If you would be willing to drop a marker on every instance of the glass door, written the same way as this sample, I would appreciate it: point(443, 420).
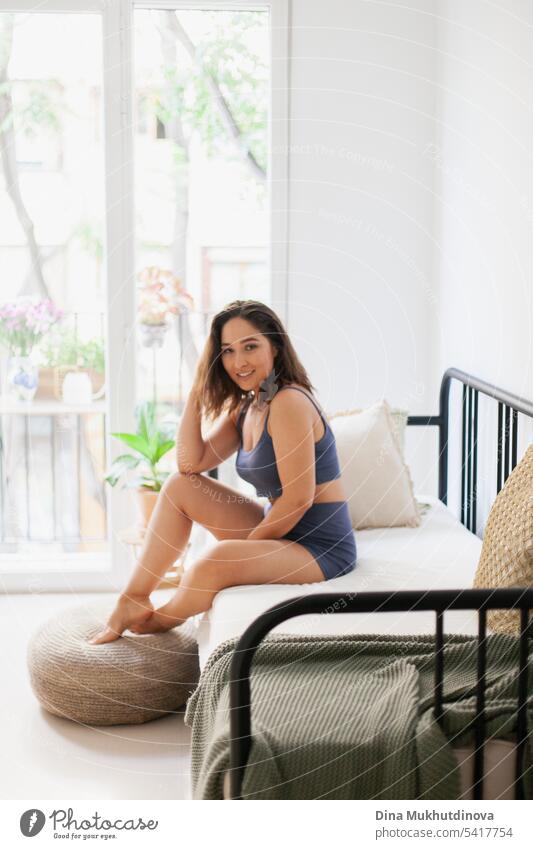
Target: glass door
point(53, 391)
point(143, 185)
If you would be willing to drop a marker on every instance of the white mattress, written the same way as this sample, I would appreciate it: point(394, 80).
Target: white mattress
point(439, 554)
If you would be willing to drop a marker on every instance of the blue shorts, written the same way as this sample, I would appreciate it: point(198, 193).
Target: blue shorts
point(326, 531)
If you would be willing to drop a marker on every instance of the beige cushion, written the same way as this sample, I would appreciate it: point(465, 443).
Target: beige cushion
point(130, 680)
point(398, 418)
point(376, 479)
point(506, 558)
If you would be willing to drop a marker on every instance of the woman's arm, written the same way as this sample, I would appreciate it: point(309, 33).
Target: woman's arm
point(291, 423)
point(189, 442)
point(193, 453)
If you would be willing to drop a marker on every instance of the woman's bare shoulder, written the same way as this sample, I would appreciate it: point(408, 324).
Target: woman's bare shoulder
point(302, 390)
point(288, 401)
point(294, 386)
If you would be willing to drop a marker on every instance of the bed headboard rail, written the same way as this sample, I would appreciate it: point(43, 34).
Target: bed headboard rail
point(509, 406)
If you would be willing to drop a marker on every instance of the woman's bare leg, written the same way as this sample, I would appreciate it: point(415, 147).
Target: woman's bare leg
point(185, 499)
point(232, 563)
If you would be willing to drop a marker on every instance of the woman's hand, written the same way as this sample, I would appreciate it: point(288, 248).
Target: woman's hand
point(130, 610)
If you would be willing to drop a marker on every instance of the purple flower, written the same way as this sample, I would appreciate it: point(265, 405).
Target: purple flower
point(24, 322)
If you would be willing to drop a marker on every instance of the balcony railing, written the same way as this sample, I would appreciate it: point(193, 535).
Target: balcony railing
point(53, 455)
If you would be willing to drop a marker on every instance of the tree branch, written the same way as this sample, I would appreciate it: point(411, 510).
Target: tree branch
point(9, 159)
point(221, 104)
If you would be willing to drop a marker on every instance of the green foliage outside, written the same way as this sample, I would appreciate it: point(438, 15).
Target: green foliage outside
point(223, 56)
point(40, 105)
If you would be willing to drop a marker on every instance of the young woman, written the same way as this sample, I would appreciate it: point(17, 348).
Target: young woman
point(286, 449)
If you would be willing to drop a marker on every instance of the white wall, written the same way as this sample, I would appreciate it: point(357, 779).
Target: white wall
point(483, 157)
point(361, 298)
point(484, 184)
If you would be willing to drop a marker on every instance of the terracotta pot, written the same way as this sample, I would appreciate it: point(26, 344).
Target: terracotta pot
point(97, 381)
point(51, 379)
point(47, 383)
point(146, 500)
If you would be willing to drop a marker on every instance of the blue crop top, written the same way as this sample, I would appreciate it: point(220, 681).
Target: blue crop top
point(258, 466)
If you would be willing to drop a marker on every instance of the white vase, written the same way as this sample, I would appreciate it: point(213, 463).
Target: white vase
point(77, 388)
point(22, 378)
point(153, 335)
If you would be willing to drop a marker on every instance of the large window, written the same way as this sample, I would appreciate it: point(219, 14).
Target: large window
point(138, 153)
point(201, 202)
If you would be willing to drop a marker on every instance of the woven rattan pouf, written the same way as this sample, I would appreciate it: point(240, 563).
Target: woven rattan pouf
point(130, 680)
point(506, 558)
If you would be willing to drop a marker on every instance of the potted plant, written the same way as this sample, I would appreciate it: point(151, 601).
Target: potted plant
point(92, 358)
point(23, 323)
point(161, 295)
point(149, 445)
point(63, 352)
point(56, 350)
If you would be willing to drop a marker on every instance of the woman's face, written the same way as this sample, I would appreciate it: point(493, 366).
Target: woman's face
point(247, 354)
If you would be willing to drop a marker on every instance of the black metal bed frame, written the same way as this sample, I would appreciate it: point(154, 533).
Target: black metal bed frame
point(437, 600)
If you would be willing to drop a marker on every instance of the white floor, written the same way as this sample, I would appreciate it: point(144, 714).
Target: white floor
point(46, 757)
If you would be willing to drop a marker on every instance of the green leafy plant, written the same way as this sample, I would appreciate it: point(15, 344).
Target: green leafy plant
point(65, 349)
point(92, 355)
point(149, 444)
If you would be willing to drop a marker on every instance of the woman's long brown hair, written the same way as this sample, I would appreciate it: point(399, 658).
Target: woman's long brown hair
point(213, 386)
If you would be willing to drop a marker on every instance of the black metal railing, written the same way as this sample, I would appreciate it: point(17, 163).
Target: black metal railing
point(438, 601)
point(509, 406)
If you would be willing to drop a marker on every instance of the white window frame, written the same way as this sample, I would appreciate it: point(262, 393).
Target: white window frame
point(118, 80)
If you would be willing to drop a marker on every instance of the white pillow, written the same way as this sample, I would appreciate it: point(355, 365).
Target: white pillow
point(398, 420)
point(378, 485)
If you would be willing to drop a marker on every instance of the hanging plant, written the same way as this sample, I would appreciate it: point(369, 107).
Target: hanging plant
point(161, 296)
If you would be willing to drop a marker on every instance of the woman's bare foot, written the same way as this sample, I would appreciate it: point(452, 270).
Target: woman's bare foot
point(161, 620)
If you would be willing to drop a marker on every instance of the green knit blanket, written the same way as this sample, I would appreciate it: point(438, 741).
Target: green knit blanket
point(351, 717)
